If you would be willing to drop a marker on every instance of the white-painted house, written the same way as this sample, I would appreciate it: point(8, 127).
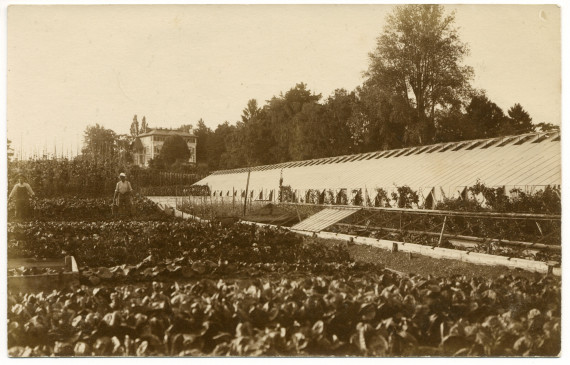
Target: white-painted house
point(148, 145)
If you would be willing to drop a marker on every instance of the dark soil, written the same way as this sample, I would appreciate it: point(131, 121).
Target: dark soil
point(272, 214)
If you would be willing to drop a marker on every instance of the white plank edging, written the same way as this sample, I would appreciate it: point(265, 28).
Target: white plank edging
point(434, 252)
point(177, 213)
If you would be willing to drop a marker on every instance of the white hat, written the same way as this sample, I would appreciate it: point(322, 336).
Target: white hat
point(122, 174)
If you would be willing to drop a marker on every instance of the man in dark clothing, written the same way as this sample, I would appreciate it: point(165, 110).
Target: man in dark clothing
point(22, 192)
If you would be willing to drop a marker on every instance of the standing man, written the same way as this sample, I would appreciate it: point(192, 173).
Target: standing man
point(122, 197)
point(22, 192)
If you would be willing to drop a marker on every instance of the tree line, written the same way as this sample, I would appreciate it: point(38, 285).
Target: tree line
point(416, 91)
point(298, 126)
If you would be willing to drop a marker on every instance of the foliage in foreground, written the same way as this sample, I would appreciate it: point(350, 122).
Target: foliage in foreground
point(114, 243)
point(274, 294)
point(359, 315)
point(92, 209)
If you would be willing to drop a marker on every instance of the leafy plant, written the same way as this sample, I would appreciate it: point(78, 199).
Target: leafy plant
point(341, 197)
point(382, 314)
point(541, 201)
point(381, 199)
point(405, 197)
point(312, 196)
point(286, 194)
point(328, 197)
point(357, 199)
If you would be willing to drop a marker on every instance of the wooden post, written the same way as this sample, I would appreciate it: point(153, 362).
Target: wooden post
point(441, 234)
point(246, 191)
point(394, 247)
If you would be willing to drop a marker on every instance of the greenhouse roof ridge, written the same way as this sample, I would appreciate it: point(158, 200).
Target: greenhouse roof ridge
point(502, 141)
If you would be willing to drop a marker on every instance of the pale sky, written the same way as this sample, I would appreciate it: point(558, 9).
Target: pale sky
point(70, 66)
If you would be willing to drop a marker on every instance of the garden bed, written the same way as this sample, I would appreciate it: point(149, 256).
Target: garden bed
point(29, 275)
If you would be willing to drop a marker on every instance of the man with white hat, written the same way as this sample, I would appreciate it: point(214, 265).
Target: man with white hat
point(122, 197)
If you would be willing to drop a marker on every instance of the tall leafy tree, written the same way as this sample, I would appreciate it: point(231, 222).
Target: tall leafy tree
point(250, 111)
point(483, 118)
point(379, 119)
point(123, 143)
point(173, 149)
point(280, 112)
point(186, 128)
point(237, 148)
point(260, 139)
point(203, 135)
point(99, 142)
point(339, 108)
point(135, 127)
point(144, 126)
point(547, 127)
point(217, 145)
point(519, 120)
point(310, 136)
point(451, 126)
point(418, 63)
point(321, 130)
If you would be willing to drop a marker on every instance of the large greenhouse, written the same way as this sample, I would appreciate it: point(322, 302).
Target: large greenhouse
point(528, 162)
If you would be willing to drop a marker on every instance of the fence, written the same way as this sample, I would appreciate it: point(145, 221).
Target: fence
point(146, 178)
point(208, 207)
point(536, 231)
point(174, 190)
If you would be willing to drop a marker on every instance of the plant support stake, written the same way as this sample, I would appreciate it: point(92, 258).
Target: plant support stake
point(441, 234)
point(246, 192)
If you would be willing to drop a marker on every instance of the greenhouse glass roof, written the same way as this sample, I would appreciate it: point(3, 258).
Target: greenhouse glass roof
point(523, 160)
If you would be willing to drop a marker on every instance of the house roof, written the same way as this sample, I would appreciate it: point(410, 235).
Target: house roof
point(528, 160)
point(165, 132)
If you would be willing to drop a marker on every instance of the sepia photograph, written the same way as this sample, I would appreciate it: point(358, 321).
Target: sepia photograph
point(283, 180)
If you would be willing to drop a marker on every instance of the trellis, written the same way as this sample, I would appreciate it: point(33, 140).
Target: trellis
point(539, 231)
